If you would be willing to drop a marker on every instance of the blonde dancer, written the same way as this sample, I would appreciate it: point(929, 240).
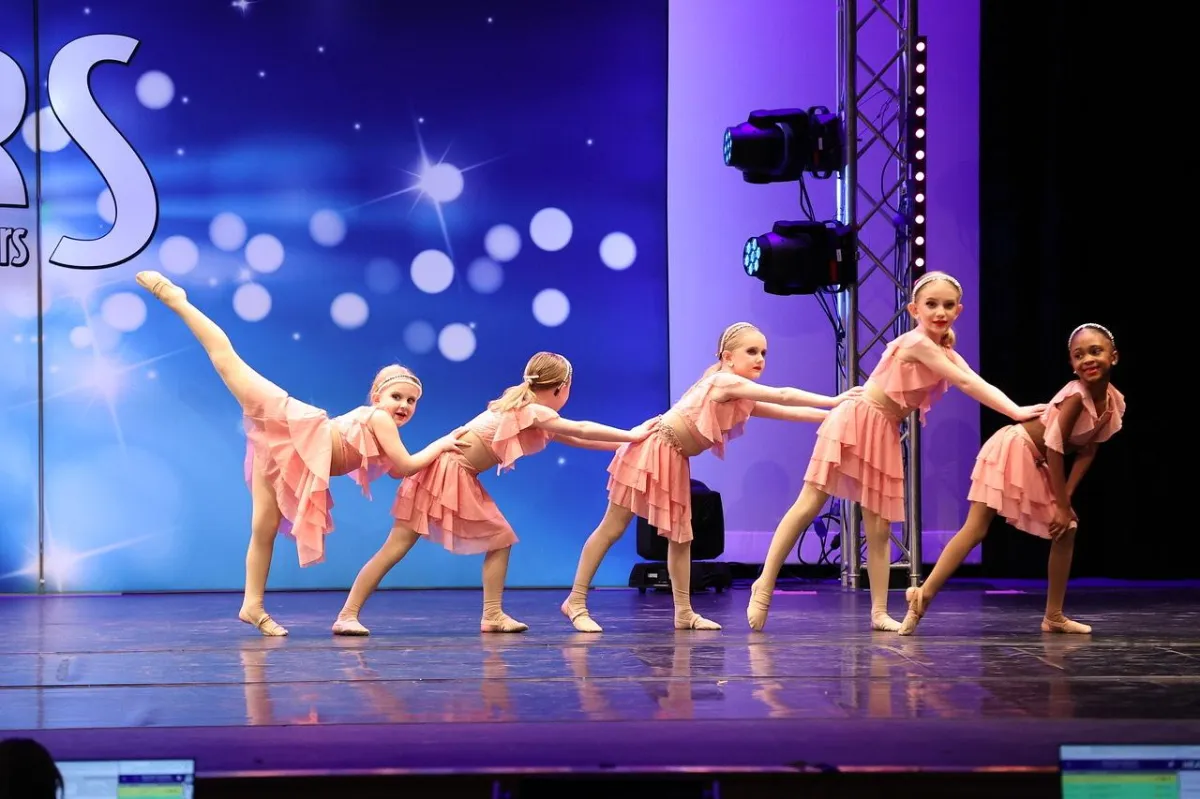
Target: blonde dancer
point(446, 502)
point(857, 456)
point(292, 449)
point(652, 478)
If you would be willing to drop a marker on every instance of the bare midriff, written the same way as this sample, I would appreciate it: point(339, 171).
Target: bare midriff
point(685, 434)
point(341, 461)
point(1037, 434)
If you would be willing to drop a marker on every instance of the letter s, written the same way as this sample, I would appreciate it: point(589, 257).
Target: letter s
point(13, 192)
point(18, 248)
point(128, 179)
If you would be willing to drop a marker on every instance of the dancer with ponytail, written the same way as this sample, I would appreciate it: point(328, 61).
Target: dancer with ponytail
point(446, 502)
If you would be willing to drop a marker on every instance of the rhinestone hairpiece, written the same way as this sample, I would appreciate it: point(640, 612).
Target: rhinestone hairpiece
point(1092, 326)
point(932, 276)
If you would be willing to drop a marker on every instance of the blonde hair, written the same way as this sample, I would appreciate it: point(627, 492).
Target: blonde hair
point(948, 338)
point(546, 370)
point(393, 373)
point(729, 340)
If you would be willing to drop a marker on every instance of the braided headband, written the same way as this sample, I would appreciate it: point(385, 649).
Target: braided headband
point(400, 379)
point(1092, 326)
point(532, 379)
point(729, 333)
point(932, 276)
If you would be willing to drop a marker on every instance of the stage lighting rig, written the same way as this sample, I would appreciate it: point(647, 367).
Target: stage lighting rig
point(803, 257)
point(780, 146)
point(916, 146)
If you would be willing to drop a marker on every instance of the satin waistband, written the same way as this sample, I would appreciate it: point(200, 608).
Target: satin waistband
point(669, 436)
point(887, 411)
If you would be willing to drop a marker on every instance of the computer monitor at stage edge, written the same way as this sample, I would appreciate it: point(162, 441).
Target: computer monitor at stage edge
point(1136, 772)
point(128, 779)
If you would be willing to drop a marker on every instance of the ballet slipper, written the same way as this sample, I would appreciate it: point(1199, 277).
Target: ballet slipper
point(690, 620)
point(916, 610)
point(580, 619)
point(1064, 625)
point(760, 603)
point(161, 287)
point(502, 624)
point(265, 624)
point(881, 622)
point(349, 626)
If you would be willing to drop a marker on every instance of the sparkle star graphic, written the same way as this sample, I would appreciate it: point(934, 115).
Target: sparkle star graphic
point(62, 564)
point(98, 376)
point(439, 182)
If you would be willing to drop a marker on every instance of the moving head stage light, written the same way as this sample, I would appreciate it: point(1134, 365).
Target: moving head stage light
point(803, 258)
point(780, 146)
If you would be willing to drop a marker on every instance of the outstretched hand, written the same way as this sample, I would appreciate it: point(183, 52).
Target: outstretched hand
point(643, 430)
point(853, 393)
point(1027, 412)
point(454, 441)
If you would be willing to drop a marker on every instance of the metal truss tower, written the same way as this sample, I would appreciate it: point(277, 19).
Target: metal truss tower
point(877, 46)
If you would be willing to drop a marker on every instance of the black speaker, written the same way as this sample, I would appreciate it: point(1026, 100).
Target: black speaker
point(708, 528)
point(708, 542)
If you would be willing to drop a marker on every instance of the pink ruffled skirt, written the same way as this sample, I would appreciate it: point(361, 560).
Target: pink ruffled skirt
point(1011, 478)
point(857, 457)
point(446, 502)
point(653, 479)
point(291, 443)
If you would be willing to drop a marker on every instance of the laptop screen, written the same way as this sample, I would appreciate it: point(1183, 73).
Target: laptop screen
point(128, 779)
point(1116, 772)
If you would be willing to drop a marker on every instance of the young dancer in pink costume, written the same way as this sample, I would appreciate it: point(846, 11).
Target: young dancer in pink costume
point(857, 456)
point(1019, 474)
point(446, 502)
point(652, 478)
point(292, 449)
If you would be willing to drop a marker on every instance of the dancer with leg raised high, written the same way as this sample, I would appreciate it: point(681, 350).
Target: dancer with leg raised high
point(292, 449)
point(857, 456)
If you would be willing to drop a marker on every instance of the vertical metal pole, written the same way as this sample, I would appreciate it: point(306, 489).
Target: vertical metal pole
point(908, 38)
point(913, 511)
point(847, 92)
point(41, 322)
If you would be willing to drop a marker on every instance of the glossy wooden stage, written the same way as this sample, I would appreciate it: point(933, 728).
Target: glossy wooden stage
point(143, 676)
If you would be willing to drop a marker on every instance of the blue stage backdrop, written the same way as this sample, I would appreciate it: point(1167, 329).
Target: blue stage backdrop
point(340, 184)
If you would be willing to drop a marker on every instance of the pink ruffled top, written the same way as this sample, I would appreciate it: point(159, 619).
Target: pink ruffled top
point(713, 421)
point(1090, 427)
point(910, 384)
point(512, 434)
point(363, 456)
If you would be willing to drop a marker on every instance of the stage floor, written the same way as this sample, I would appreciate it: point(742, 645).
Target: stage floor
point(178, 676)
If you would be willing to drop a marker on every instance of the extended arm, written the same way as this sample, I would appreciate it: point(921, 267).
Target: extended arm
point(769, 410)
point(592, 431)
point(748, 389)
point(959, 374)
point(583, 443)
point(405, 464)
